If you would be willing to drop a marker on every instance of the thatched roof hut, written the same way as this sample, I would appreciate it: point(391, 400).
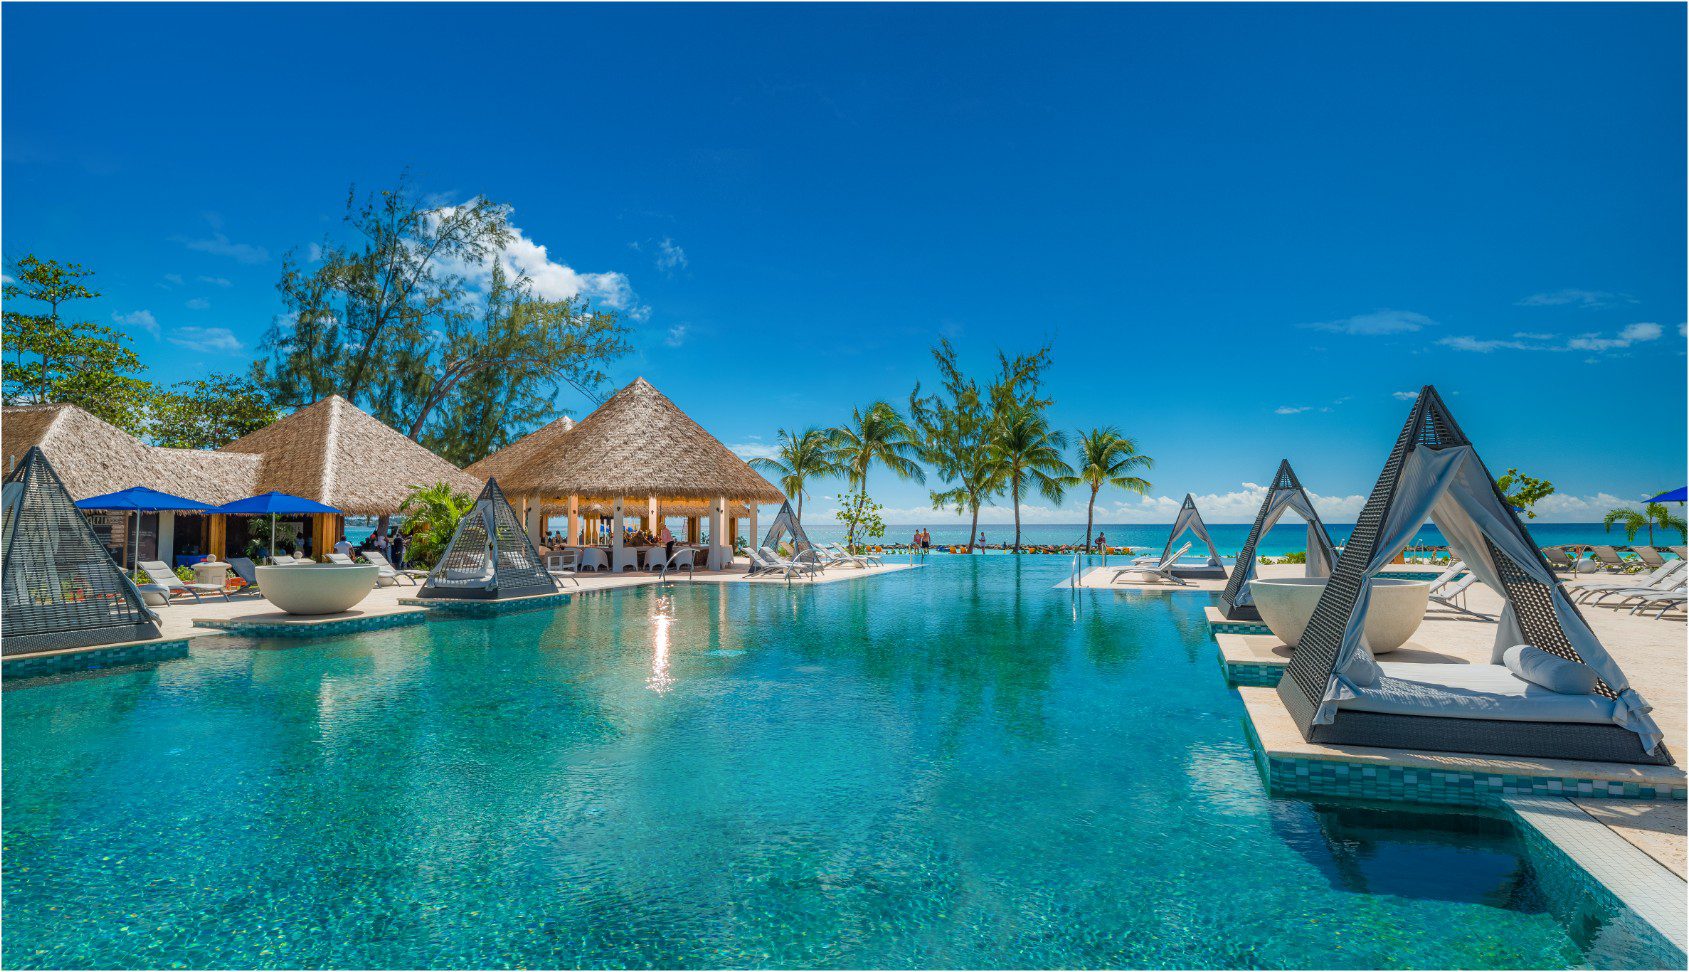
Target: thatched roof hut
point(94, 457)
point(637, 444)
point(499, 465)
point(336, 453)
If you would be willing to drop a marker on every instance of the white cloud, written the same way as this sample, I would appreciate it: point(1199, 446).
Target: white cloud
point(174, 278)
point(676, 336)
point(142, 319)
point(670, 256)
point(198, 303)
point(214, 281)
point(219, 244)
point(1290, 409)
point(1596, 341)
point(1577, 298)
point(313, 253)
point(1404, 396)
point(753, 450)
point(206, 339)
point(1376, 323)
point(556, 281)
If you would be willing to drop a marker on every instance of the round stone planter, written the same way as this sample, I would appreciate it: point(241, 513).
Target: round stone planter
point(317, 588)
point(1393, 612)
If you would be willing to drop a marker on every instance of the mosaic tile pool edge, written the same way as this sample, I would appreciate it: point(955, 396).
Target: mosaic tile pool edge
point(450, 607)
point(111, 656)
point(313, 629)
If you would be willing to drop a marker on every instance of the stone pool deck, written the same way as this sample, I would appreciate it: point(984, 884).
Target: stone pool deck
point(1643, 806)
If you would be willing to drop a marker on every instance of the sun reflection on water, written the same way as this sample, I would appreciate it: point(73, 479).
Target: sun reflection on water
point(662, 620)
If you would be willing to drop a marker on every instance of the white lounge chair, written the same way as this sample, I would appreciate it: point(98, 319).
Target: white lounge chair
point(343, 560)
point(379, 559)
point(564, 565)
point(170, 585)
point(1594, 592)
point(1665, 600)
point(771, 562)
point(843, 554)
point(1160, 571)
point(1448, 577)
point(1453, 596)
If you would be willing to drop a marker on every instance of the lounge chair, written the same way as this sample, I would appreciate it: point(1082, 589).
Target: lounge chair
point(283, 560)
point(564, 565)
point(683, 559)
point(1648, 555)
point(247, 571)
point(1665, 600)
point(842, 553)
point(1448, 577)
point(1682, 552)
point(165, 581)
point(1559, 559)
point(1160, 571)
point(343, 560)
point(771, 562)
point(379, 559)
point(1610, 559)
point(1593, 592)
point(1453, 596)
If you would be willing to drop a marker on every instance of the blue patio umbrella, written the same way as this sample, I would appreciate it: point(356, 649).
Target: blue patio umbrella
point(275, 504)
point(1678, 495)
point(140, 499)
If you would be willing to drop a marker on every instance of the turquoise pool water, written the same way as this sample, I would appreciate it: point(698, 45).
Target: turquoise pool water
point(956, 767)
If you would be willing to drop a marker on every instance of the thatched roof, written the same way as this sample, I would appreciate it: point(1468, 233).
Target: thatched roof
point(638, 444)
point(94, 457)
point(336, 453)
point(546, 438)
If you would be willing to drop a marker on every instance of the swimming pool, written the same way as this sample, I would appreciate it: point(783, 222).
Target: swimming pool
point(953, 767)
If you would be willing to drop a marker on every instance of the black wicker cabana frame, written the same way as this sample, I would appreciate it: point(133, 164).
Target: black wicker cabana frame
point(1189, 520)
point(1284, 495)
point(62, 589)
point(1310, 674)
point(786, 523)
point(490, 557)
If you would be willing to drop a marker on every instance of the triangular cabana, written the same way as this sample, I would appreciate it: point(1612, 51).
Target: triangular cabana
point(62, 589)
point(489, 557)
point(1338, 696)
point(1190, 521)
point(1285, 494)
point(786, 524)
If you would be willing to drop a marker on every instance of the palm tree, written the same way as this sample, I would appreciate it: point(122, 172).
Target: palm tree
point(1633, 521)
point(1107, 458)
point(431, 516)
point(799, 456)
point(1031, 455)
point(875, 434)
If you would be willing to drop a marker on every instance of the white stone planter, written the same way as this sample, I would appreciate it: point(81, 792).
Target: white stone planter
point(1393, 612)
point(317, 588)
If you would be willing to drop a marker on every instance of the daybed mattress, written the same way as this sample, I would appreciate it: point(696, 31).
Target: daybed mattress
point(1473, 692)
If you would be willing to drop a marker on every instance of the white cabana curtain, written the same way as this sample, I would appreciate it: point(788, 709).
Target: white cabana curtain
point(1321, 555)
point(1451, 488)
point(1190, 519)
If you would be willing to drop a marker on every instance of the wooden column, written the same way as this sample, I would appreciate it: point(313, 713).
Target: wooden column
point(616, 528)
point(754, 538)
point(651, 522)
point(217, 535)
point(718, 534)
point(574, 520)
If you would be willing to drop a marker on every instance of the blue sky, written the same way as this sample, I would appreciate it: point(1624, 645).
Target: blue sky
point(1247, 230)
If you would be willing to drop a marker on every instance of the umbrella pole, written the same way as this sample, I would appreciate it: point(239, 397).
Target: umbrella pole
point(272, 538)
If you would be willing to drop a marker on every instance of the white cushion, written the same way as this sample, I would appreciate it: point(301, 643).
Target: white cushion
point(1550, 671)
point(1473, 692)
point(1363, 669)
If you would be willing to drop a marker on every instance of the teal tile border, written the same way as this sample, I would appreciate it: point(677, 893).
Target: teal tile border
point(31, 666)
point(313, 629)
point(466, 608)
point(1295, 776)
point(1244, 673)
point(1237, 627)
